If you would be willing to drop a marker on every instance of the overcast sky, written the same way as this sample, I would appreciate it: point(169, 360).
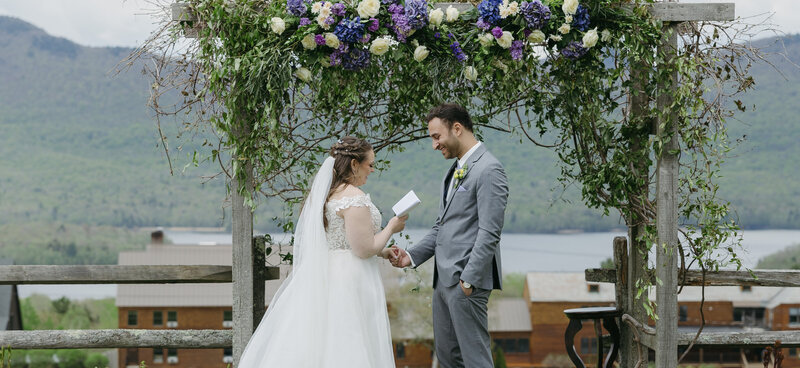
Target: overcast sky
point(128, 23)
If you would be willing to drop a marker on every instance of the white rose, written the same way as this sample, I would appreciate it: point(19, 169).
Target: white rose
point(379, 46)
point(568, 18)
point(322, 21)
point(513, 8)
point(536, 36)
point(308, 42)
point(486, 39)
point(505, 40)
point(277, 24)
point(316, 7)
point(555, 38)
point(470, 73)
point(331, 40)
point(368, 8)
point(452, 14)
point(564, 29)
point(420, 53)
point(303, 74)
point(570, 7)
point(325, 12)
point(435, 17)
point(590, 38)
point(605, 36)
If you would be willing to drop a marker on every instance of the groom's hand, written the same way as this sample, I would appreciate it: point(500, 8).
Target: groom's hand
point(402, 258)
point(467, 291)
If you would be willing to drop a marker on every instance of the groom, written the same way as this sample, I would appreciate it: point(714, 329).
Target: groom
point(464, 240)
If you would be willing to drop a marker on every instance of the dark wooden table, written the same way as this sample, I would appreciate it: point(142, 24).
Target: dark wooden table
point(608, 315)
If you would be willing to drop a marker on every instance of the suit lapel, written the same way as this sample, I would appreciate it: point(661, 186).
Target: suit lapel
point(448, 180)
point(470, 165)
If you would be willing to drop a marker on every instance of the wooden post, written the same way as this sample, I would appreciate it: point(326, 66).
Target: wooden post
point(621, 262)
point(243, 257)
point(667, 215)
point(259, 277)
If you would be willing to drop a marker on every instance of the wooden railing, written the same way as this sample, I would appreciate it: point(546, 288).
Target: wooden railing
point(135, 274)
point(769, 278)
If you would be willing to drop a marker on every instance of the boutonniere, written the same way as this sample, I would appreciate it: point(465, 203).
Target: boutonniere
point(458, 175)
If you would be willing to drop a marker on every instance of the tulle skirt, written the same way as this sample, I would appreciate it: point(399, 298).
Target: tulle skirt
point(352, 330)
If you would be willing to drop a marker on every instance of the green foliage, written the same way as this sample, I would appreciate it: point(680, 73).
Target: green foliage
point(96, 360)
point(786, 259)
point(71, 358)
point(61, 305)
point(49, 243)
point(608, 263)
point(498, 356)
point(40, 313)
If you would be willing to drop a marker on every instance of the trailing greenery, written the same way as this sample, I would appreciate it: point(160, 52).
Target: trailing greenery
point(41, 313)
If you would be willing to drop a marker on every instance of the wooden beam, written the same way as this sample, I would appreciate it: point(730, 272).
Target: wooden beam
point(130, 338)
point(692, 12)
point(773, 278)
point(120, 274)
point(789, 339)
point(668, 12)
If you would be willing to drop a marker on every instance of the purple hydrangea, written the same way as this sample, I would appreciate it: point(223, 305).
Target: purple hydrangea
point(399, 22)
point(366, 38)
point(581, 18)
point(497, 32)
point(396, 9)
point(319, 39)
point(482, 25)
point(458, 52)
point(417, 13)
point(574, 50)
point(349, 30)
point(336, 55)
point(535, 13)
point(516, 49)
point(388, 2)
point(330, 21)
point(338, 9)
point(437, 35)
point(374, 25)
point(488, 11)
point(296, 7)
point(304, 22)
point(355, 59)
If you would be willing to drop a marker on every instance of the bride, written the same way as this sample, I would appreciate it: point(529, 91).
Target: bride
point(331, 310)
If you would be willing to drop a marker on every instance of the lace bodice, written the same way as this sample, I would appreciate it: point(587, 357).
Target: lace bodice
point(337, 239)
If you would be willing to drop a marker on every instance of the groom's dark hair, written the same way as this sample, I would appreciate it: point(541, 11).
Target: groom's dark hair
point(450, 114)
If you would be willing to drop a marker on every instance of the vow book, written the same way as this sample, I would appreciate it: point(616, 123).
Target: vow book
point(406, 204)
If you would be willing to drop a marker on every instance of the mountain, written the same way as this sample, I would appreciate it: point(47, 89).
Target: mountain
point(78, 145)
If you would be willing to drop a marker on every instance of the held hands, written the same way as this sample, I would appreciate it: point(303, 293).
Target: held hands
point(398, 257)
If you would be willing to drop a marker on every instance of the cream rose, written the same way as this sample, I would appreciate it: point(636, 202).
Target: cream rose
point(277, 25)
point(590, 38)
point(308, 42)
point(331, 40)
point(555, 38)
point(435, 17)
point(505, 40)
point(470, 73)
point(564, 29)
point(379, 46)
point(303, 74)
point(570, 7)
point(452, 14)
point(499, 65)
point(420, 53)
point(368, 8)
point(486, 39)
point(536, 36)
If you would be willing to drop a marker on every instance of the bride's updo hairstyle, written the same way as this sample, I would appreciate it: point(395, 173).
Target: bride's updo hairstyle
point(344, 151)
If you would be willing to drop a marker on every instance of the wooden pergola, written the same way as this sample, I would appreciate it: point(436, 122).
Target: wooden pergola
point(248, 270)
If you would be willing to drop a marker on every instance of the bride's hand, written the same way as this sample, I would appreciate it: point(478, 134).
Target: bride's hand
point(397, 224)
point(389, 253)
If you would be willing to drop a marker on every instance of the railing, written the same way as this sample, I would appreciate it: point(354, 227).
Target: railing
point(771, 278)
point(135, 274)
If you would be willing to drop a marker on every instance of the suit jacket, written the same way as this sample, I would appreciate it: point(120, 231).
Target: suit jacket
point(466, 234)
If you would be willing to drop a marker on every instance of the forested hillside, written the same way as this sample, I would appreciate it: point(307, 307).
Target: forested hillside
point(79, 146)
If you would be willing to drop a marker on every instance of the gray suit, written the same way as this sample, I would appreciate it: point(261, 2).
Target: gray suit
point(465, 241)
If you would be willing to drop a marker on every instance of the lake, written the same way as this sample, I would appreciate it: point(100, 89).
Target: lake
point(519, 253)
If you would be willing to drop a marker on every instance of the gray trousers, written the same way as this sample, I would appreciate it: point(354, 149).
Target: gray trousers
point(461, 327)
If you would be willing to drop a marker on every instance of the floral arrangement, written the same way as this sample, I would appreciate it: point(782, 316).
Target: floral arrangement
point(496, 34)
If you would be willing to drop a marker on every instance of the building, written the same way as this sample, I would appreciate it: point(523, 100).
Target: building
point(10, 315)
point(725, 308)
point(179, 306)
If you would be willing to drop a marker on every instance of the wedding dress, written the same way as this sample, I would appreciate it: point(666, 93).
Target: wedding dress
point(331, 310)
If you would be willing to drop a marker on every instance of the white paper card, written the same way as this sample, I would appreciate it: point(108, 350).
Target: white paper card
point(406, 204)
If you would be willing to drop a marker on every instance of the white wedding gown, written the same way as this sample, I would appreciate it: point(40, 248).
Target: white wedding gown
point(346, 327)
